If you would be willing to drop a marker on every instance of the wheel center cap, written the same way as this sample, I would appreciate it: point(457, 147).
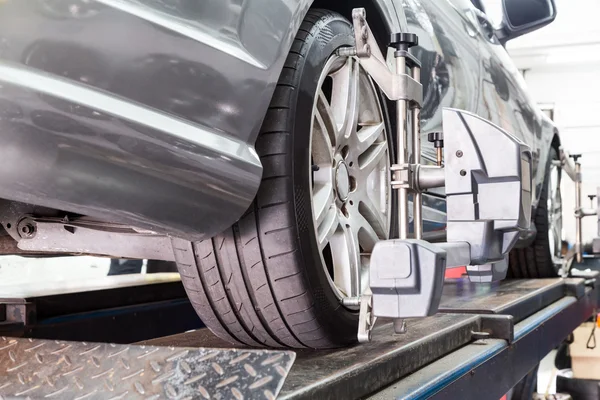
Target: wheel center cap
point(342, 181)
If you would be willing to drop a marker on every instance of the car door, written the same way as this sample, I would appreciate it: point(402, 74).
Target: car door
point(449, 54)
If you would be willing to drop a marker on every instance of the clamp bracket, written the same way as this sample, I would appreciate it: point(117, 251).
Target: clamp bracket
point(488, 199)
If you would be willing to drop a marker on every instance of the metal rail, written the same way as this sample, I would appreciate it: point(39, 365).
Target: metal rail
point(488, 369)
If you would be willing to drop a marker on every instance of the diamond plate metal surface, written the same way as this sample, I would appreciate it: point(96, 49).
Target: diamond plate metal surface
point(49, 369)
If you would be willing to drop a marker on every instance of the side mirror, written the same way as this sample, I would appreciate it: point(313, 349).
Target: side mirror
point(524, 16)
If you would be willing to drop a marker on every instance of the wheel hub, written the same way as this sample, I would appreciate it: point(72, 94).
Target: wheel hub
point(342, 181)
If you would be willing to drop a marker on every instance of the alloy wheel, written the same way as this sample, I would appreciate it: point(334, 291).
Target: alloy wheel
point(350, 185)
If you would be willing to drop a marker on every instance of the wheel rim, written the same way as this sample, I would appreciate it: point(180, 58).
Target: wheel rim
point(554, 215)
point(350, 188)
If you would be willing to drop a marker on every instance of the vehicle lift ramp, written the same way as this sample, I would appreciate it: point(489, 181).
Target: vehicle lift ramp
point(484, 339)
point(474, 338)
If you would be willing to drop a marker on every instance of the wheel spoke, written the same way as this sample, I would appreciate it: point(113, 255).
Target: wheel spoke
point(556, 231)
point(367, 135)
point(367, 237)
point(322, 148)
point(373, 216)
point(345, 252)
point(371, 158)
point(554, 215)
point(327, 117)
point(344, 99)
point(322, 200)
point(328, 226)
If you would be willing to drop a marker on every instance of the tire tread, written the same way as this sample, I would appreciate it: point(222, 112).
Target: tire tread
point(247, 283)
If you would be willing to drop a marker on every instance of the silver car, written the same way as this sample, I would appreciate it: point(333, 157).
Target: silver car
point(229, 136)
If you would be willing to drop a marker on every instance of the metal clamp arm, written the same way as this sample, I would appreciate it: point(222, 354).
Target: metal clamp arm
point(395, 86)
point(488, 200)
point(585, 212)
point(568, 165)
point(429, 177)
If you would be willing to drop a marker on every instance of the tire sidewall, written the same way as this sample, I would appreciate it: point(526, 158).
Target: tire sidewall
point(333, 32)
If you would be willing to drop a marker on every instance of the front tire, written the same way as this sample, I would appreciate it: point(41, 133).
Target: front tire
point(277, 277)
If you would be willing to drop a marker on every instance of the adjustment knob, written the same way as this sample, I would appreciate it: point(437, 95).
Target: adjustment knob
point(437, 138)
point(591, 197)
point(403, 40)
point(575, 156)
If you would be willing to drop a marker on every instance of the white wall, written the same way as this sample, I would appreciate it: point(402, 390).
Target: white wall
point(562, 68)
